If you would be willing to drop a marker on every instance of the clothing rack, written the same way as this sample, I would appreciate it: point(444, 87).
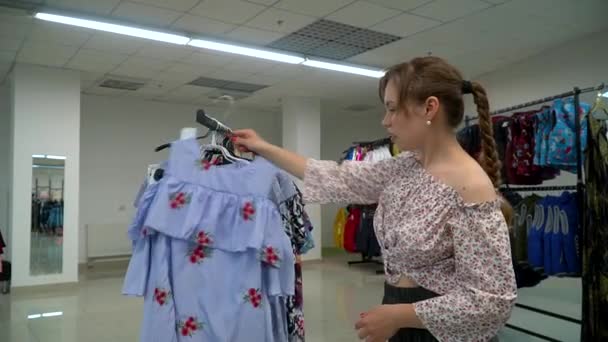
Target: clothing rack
point(579, 187)
point(538, 188)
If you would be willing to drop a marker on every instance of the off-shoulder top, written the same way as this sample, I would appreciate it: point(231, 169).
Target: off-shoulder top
point(429, 234)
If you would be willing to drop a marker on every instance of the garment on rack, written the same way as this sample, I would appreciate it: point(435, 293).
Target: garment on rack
point(350, 229)
point(562, 138)
point(366, 241)
point(595, 237)
point(191, 227)
point(523, 219)
point(339, 224)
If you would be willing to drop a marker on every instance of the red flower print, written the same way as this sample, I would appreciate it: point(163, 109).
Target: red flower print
point(269, 255)
point(199, 253)
point(248, 211)
point(179, 200)
point(203, 239)
point(161, 296)
point(189, 327)
point(206, 164)
point(253, 296)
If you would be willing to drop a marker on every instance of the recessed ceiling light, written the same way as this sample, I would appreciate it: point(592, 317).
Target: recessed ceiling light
point(55, 157)
point(241, 50)
point(114, 28)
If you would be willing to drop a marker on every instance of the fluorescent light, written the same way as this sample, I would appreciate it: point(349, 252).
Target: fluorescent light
point(240, 50)
point(38, 156)
point(55, 157)
point(34, 316)
point(120, 29)
point(52, 314)
point(605, 94)
point(344, 68)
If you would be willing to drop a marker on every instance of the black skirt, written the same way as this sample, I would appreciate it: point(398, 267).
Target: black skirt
point(398, 295)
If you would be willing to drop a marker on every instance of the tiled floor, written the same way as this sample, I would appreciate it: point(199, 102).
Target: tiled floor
point(95, 311)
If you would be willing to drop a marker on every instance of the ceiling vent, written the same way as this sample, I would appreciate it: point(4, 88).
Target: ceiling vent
point(239, 87)
point(114, 83)
point(220, 95)
point(333, 40)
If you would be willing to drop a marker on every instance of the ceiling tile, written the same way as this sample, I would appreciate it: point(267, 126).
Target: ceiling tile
point(144, 14)
point(91, 76)
point(315, 8)
point(208, 58)
point(264, 2)
point(446, 10)
point(230, 11)
point(136, 71)
point(7, 56)
point(96, 90)
point(403, 5)
point(9, 44)
point(363, 14)
point(199, 25)
point(249, 65)
point(46, 54)
point(95, 61)
point(58, 33)
point(187, 92)
point(269, 20)
point(103, 7)
point(405, 25)
point(115, 43)
point(262, 79)
point(496, 2)
point(165, 51)
point(14, 26)
point(253, 36)
point(176, 5)
point(229, 75)
point(147, 62)
point(191, 69)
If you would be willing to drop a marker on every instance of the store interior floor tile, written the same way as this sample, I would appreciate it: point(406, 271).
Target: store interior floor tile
point(335, 294)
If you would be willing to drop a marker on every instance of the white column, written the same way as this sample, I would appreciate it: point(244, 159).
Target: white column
point(302, 134)
point(45, 120)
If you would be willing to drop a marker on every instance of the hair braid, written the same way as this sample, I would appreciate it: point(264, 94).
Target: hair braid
point(489, 156)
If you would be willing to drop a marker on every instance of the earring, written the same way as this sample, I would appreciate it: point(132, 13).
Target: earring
point(428, 122)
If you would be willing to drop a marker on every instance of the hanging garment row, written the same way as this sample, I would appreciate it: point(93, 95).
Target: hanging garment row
point(47, 216)
point(595, 241)
point(534, 145)
point(216, 247)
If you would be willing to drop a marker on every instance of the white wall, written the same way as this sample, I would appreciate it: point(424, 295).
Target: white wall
point(5, 128)
point(581, 63)
point(44, 100)
point(117, 145)
point(338, 131)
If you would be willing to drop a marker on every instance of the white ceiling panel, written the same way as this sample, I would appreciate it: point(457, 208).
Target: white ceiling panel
point(264, 2)
point(253, 36)
point(186, 71)
point(101, 7)
point(208, 58)
point(145, 14)
point(91, 76)
point(9, 44)
point(250, 65)
point(176, 5)
point(14, 27)
point(114, 43)
point(95, 90)
point(363, 14)
point(204, 26)
point(58, 33)
point(229, 11)
point(148, 62)
point(405, 25)
point(446, 10)
point(136, 71)
point(280, 21)
point(7, 56)
point(403, 5)
point(45, 54)
point(315, 8)
point(165, 51)
point(95, 61)
point(262, 79)
point(188, 92)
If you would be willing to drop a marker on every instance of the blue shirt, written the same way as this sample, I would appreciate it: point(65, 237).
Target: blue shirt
point(211, 257)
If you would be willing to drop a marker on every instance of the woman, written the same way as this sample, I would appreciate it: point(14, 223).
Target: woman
point(444, 240)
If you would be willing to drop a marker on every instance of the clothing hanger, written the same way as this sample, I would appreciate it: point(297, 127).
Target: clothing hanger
point(223, 150)
point(600, 110)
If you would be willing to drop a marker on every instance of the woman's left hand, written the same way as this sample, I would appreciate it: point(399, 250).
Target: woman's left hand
point(378, 324)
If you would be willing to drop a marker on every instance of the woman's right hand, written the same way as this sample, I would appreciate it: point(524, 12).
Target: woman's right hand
point(247, 140)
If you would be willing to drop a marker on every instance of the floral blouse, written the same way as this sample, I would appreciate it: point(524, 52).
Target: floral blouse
point(428, 233)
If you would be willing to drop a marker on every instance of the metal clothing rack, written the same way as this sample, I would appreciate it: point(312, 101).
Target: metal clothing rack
point(579, 187)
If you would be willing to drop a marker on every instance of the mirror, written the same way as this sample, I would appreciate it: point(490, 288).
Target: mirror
point(46, 252)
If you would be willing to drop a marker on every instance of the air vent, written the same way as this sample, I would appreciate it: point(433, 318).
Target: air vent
point(360, 108)
point(121, 84)
point(330, 39)
point(220, 95)
point(239, 87)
